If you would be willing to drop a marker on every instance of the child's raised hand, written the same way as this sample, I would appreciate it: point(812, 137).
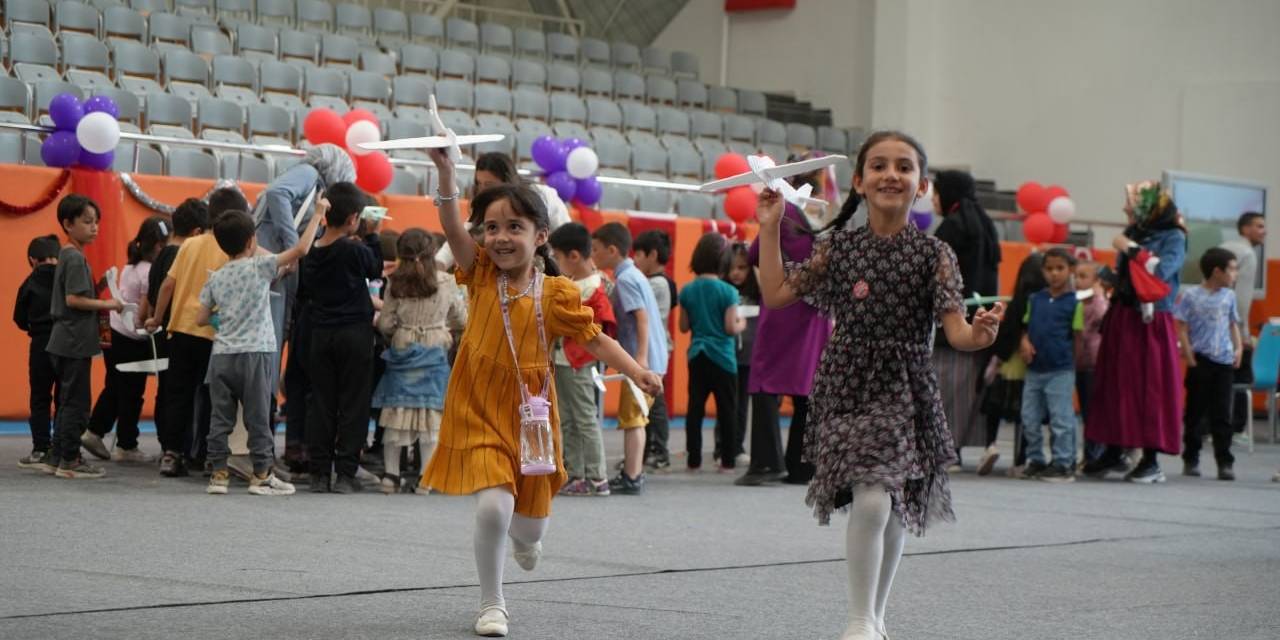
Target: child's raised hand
point(769, 208)
point(649, 382)
point(440, 156)
point(986, 323)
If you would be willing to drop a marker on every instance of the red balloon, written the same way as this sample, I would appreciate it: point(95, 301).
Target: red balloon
point(740, 203)
point(1060, 233)
point(374, 172)
point(731, 164)
point(1031, 197)
point(356, 115)
point(1050, 192)
point(1037, 228)
point(324, 126)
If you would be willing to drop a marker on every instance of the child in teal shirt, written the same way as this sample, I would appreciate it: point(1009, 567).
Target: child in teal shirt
point(709, 310)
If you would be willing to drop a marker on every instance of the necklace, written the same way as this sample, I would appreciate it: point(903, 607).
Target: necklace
point(503, 286)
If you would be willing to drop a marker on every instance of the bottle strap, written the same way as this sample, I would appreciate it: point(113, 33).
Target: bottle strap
point(542, 335)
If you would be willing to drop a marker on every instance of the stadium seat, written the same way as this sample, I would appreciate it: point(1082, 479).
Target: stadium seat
point(751, 103)
point(190, 163)
point(739, 128)
point(224, 115)
point(704, 124)
point(493, 69)
point(420, 60)
point(691, 204)
point(462, 34)
point(425, 28)
point(76, 17)
point(390, 27)
point(636, 116)
point(339, 51)
point(655, 200)
point(602, 112)
point(377, 62)
point(832, 140)
point(723, 99)
point(299, 46)
point(137, 68)
point(26, 12)
point(567, 108)
point(628, 85)
point(625, 56)
point(595, 53)
point(411, 91)
point(528, 73)
point(691, 94)
point(611, 148)
point(685, 164)
point(276, 13)
point(563, 78)
point(597, 82)
point(354, 21)
point(497, 39)
point(649, 161)
point(801, 136)
point(165, 109)
point(457, 64)
point(531, 44)
point(562, 48)
point(455, 94)
point(617, 197)
point(655, 61)
point(369, 87)
point(256, 42)
point(123, 23)
point(660, 90)
point(233, 12)
point(493, 99)
point(672, 120)
point(34, 57)
point(320, 81)
point(685, 65)
point(209, 41)
point(531, 104)
point(315, 16)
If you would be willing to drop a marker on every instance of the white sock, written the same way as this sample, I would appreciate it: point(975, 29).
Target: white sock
point(526, 532)
point(494, 507)
point(391, 459)
point(865, 545)
point(895, 536)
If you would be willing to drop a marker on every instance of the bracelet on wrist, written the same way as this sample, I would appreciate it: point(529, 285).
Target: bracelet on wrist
point(441, 198)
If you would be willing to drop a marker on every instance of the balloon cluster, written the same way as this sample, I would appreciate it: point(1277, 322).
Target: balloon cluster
point(373, 168)
point(568, 166)
point(739, 202)
point(85, 133)
point(1048, 211)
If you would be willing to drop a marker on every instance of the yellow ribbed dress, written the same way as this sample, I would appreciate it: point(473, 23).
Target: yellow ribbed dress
point(479, 443)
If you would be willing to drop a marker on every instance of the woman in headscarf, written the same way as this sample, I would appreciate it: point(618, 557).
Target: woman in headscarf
point(1138, 379)
point(968, 230)
point(278, 220)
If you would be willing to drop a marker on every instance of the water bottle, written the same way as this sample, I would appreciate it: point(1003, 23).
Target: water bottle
point(537, 446)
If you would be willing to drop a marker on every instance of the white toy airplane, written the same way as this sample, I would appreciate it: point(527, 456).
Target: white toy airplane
point(444, 138)
point(764, 170)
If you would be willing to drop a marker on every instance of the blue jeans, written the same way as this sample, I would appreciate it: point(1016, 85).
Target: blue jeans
point(1050, 393)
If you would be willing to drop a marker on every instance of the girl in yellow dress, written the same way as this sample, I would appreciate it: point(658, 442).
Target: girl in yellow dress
point(479, 447)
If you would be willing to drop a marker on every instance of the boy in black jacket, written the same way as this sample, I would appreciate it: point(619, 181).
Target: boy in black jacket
point(31, 314)
point(335, 277)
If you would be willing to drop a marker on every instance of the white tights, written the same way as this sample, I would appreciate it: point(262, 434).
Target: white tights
point(391, 455)
point(874, 546)
point(495, 520)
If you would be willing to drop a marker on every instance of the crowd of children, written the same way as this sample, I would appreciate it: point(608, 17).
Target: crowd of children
point(459, 371)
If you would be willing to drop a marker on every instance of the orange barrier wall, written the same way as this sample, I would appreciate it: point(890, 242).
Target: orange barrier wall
point(22, 185)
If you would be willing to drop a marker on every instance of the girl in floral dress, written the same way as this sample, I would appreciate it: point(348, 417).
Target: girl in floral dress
point(878, 435)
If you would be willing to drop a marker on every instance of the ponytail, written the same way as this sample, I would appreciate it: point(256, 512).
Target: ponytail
point(415, 274)
point(549, 265)
point(153, 233)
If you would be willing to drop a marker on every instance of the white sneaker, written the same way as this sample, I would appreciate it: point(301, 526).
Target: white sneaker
point(527, 555)
point(742, 460)
point(492, 623)
point(1276, 477)
point(218, 483)
point(988, 461)
point(131, 456)
point(93, 443)
point(270, 486)
point(367, 478)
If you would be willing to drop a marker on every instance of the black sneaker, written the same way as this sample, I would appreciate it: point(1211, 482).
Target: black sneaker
point(1225, 472)
point(171, 465)
point(1058, 474)
point(319, 483)
point(757, 478)
point(76, 469)
point(37, 461)
point(1191, 469)
point(1033, 470)
point(621, 484)
point(1150, 474)
point(1101, 467)
point(347, 484)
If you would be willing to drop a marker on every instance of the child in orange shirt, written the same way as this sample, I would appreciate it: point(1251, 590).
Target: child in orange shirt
point(515, 310)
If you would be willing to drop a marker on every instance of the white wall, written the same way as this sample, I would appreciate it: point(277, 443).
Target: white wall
point(1089, 94)
point(822, 51)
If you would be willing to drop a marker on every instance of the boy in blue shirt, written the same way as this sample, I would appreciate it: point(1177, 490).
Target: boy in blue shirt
point(641, 334)
point(1054, 320)
point(1209, 336)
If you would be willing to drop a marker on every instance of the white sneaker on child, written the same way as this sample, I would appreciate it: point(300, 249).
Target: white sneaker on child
point(492, 623)
point(218, 483)
point(270, 486)
point(527, 555)
point(131, 455)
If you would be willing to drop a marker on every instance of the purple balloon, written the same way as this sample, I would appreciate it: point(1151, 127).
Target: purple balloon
point(102, 103)
point(570, 144)
point(922, 219)
point(549, 154)
point(563, 183)
point(589, 191)
point(99, 161)
point(60, 149)
point(66, 111)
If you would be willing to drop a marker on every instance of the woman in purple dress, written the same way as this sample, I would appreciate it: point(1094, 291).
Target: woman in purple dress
point(878, 437)
point(784, 358)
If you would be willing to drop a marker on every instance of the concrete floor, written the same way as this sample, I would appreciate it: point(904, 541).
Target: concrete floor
point(137, 556)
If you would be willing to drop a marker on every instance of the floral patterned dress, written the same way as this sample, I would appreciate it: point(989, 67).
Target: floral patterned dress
point(877, 414)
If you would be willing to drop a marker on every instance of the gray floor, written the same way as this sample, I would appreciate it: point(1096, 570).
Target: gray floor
point(137, 556)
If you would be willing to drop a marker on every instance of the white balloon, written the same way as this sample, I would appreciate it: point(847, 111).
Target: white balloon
point(582, 163)
point(1062, 209)
point(98, 132)
point(359, 132)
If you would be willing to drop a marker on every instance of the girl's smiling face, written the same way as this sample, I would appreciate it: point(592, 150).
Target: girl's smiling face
point(509, 238)
point(738, 270)
point(890, 179)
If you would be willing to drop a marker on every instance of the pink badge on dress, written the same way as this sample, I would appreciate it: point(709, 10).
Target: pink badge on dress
point(861, 290)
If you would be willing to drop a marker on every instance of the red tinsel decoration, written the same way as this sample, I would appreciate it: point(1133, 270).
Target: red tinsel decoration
point(45, 200)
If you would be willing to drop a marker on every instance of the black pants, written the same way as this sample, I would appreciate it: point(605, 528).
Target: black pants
point(340, 363)
point(766, 433)
point(1084, 391)
point(185, 428)
point(658, 431)
point(74, 398)
point(744, 399)
point(120, 401)
point(44, 388)
point(297, 391)
point(707, 378)
point(1242, 403)
point(798, 471)
point(1208, 396)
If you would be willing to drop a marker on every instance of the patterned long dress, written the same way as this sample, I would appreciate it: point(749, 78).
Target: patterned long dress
point(877, 414)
